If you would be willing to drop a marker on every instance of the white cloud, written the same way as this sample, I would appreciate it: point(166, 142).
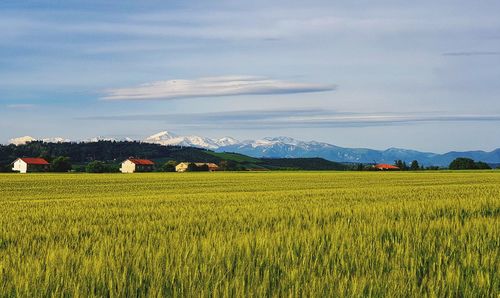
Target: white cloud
point(213, 87)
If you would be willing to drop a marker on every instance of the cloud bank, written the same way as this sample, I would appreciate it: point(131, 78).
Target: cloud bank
point(297, 118)
point(213, 87)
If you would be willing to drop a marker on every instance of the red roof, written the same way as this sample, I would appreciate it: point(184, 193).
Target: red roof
point(385, 166)
point(142, 162)
point(34, 161)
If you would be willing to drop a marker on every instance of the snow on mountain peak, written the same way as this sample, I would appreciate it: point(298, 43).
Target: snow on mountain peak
point(55, 140)
point(284, 140)
point(162, 135)
point(226, 141)
point(99, 138)
point(169, 139)
point(27, 139)
point(202, 142)
point(21, 140)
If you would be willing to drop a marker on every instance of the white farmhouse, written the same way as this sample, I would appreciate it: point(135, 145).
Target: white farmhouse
point(133, 165)
point(30, 164)
point(182, 167)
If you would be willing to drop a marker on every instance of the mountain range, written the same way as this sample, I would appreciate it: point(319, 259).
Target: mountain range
point(286, 147)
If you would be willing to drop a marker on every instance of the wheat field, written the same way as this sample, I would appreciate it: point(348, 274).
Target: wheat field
point(265, 234)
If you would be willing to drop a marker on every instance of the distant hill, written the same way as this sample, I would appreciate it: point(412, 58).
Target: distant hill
point(115, 152)
point(286, 147)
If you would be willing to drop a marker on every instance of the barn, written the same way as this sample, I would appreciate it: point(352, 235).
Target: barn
point(385, 167)
point(30, 164)
point(132, 165)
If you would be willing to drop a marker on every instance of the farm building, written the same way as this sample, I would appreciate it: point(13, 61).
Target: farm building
point(30, 164)
point(385, 167)
point(133, 165)
point(183, 166)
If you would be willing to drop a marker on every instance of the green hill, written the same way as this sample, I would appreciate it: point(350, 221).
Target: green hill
point(237, 157)
point(302, 164)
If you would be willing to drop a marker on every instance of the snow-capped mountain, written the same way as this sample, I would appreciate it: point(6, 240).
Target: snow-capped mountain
point(55, 140)
point(97, 139)
point(169, 138)
point(27, 139)
point(21, 140)
point(226, 141)
point(291, 148)
point(280, 147)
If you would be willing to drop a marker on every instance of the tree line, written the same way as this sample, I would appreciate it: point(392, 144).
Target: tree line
point(63, 164)
point(460, 163)
point(105, 156)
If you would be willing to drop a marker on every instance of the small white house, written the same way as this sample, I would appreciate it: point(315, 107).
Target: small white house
point(29, 164)
point(183, 166)
point(133, 165)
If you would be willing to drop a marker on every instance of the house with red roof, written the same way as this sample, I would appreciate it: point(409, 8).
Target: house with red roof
point(385, 167)
point(132, 165)
point(30, 164)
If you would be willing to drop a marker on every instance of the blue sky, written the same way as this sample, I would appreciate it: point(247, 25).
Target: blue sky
point(421, 75)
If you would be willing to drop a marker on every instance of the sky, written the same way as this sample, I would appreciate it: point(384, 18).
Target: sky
point(421, 75)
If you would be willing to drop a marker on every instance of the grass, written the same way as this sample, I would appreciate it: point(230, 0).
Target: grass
point(251, 234)
point(235, 157)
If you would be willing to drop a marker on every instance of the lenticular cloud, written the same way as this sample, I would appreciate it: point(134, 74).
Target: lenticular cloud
point(213, 87)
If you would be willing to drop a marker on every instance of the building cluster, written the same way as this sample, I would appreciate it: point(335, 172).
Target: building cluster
point(183, 166)
point(130, 165)
point(133, 165)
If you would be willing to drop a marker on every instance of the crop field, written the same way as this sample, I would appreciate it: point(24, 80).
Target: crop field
point(310, 234)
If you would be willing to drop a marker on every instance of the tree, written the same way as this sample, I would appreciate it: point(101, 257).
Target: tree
point(203, 168)
point(169, 166)
point(414, 166)
point(482, 166)
point(60, 164)
point(6, 168)
point(95, 166)
point(401, 165)
point(192, 167)
point(432, 168)
point(463, 163)
point(230, 165)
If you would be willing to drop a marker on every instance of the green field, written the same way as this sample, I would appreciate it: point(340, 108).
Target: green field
point(251, 234)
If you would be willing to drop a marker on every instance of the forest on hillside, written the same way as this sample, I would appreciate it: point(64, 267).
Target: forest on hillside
point(107, 151)
point(113, 152)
